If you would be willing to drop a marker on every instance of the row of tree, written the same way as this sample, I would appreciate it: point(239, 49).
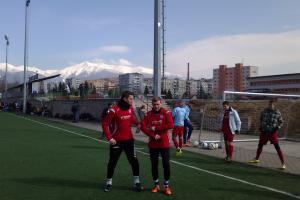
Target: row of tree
point(84, 90)
point(201, 94)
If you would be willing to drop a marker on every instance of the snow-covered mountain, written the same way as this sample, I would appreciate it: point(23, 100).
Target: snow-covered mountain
point(86, 70)
point(95, 70)
point(15, 73)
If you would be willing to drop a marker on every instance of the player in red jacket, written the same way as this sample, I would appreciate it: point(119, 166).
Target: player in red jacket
point(156, 125)
point(121, 116)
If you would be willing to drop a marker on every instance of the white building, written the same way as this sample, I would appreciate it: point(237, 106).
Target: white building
point(133, 82)
point(73, 82)
point(149, 83)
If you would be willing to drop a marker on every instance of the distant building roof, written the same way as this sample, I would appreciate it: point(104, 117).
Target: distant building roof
point(37, 80)
point(271, 76)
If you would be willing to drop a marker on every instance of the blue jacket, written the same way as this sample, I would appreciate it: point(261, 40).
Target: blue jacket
point(234, 120)
point(179, 115)
point(187, 108)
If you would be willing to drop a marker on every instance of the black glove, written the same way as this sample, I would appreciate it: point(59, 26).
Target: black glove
point(237, 132)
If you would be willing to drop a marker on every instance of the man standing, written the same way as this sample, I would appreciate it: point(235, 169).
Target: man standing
point(231, 125)
point(188, 127)
point(179, 115)
point(156, 125)
point(142, 111)
point(105, 112)
point(76, 111)
point(270, 122)
point(120, 138)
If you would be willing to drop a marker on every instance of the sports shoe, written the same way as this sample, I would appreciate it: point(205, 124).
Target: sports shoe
point(107, 188)
point(138, 187)
point(254, 160)
point(179, 152)
point(227, 159)
point(155, 189)
point(282, 167)
point(188, 144)
point(167, 190)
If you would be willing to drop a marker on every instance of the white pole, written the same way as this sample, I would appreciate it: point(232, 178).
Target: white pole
point(259, 94)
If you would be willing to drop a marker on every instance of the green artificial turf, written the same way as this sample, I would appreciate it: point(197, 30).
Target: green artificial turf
point(42, 162)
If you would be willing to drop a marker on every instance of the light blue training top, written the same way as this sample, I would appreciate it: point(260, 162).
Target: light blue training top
point(179, 115)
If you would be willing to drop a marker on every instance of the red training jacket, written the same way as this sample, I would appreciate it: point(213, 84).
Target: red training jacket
point(162, 122)
point(121, 124)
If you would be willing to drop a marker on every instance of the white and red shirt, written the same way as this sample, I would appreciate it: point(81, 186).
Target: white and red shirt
point(121, 121)
point(162, 121)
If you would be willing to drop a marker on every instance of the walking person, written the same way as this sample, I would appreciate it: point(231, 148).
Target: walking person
point(179, 115)
point(188, 127)
point(270, 122)
point(231, 125)
point(156, 125)
point(121, 116)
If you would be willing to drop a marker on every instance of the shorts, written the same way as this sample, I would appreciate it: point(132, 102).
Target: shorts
point(228, 136)
point(272, 137)
point(178, 131)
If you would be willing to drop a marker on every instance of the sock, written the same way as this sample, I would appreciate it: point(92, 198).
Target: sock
point(156, 182)
point(166, 183)
point(227, 152)
point(136, 179)
point(109, 181)
point(175, 142)
point(230, 151)
point(279, 152)
point(258, 152)
point(180, 142)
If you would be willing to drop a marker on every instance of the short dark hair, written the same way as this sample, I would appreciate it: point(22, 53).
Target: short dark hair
point(155, 99)
point(273, 101)
point(126, 94)
point(225, 103)
point(190, 102)
point(180, 103)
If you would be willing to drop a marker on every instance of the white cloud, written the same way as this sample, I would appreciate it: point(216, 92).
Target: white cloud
point(274, 53)
point(110, 49)
point(123, 61)
point(114, 49)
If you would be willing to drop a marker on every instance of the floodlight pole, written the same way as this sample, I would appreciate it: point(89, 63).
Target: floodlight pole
point(6, 56)
point(157, 48)
point(25, 56)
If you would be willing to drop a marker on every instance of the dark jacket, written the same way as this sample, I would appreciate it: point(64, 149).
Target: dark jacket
point(270, 120)
point(75, 107)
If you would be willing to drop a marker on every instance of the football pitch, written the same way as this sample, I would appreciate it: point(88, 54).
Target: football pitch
point(41, 159)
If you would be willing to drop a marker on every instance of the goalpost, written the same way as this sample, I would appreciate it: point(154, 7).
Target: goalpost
point(249, 106)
